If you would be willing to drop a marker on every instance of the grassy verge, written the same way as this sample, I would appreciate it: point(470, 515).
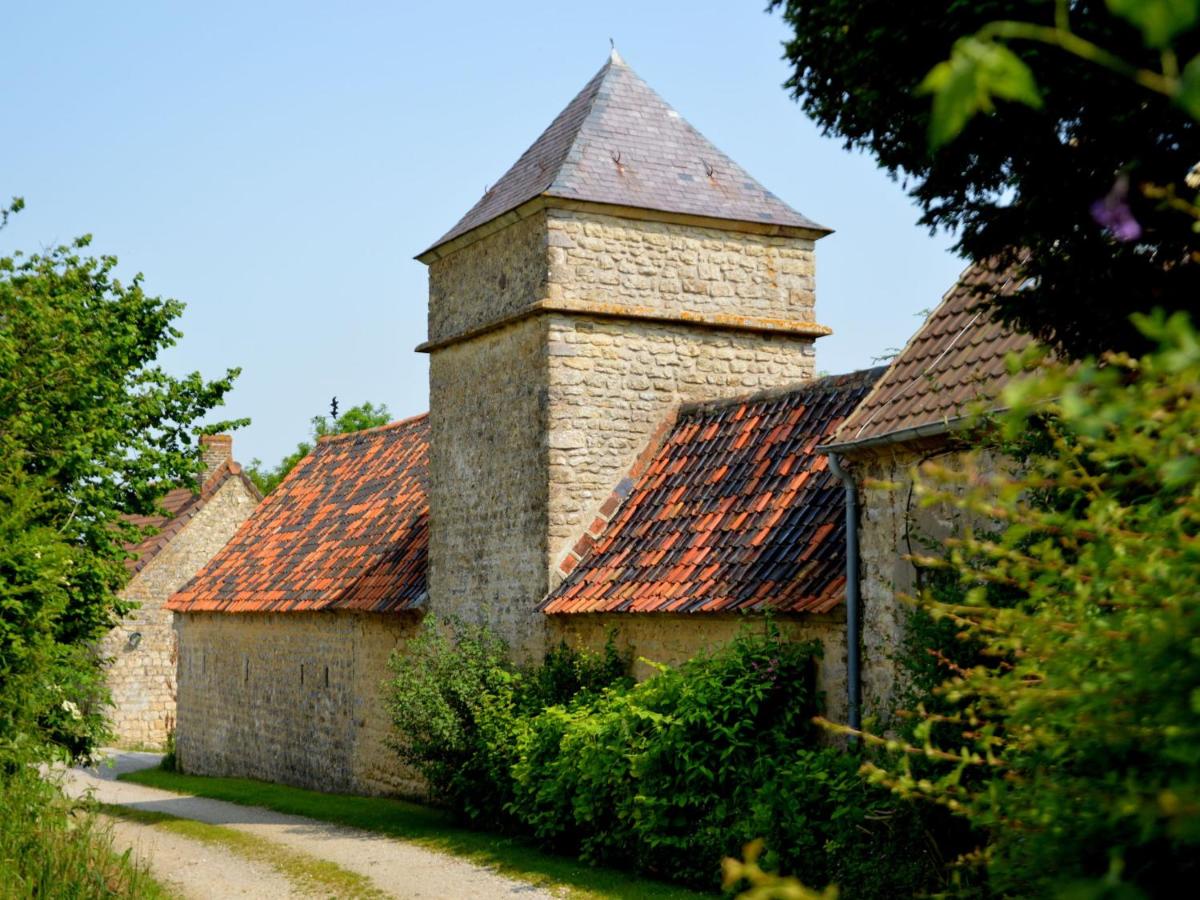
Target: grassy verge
point(52, 847)
point(426, 827)
point(304, 871)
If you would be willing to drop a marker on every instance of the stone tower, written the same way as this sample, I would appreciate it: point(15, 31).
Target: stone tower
point(622, 266)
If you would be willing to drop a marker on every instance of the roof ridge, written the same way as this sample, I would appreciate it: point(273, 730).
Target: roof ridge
point(814, 385)
point(346, 435)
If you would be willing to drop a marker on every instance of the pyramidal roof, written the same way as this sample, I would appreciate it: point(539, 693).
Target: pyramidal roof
point(619, 142)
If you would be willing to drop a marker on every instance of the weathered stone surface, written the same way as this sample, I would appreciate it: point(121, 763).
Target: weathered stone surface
point(534, 421)
point(678, 268)
point(295, 698)
point(893, 525)
point(141, 671)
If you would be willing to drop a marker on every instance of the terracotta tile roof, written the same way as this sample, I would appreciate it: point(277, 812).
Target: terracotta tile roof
point(179, 506)
point(955, 359)
point(347, 529)
point(735, 510)
point(618, 142)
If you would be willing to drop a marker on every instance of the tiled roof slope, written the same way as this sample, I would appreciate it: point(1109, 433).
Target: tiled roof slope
point(619, 142)
point(179, 506)
point(735, 511)
point(955, 359)
point(347, 529)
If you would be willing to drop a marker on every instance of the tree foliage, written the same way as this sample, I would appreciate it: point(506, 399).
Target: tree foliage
point(91, 430)
point(1073, 742)
point(1053, 173)
point(357, 418)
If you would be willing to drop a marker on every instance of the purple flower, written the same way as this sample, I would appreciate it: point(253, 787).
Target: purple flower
point(1112, 212)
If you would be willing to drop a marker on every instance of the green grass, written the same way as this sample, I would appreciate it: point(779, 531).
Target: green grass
point(51, 846)
point(428, 828)
point(304, 871)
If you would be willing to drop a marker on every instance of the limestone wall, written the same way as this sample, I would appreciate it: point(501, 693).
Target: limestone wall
point(489, 279)
point(675, 268)
point(673, 639)
point(487, 481)
point(893, 525)
point(141, 671)
point(613, 382)
point(294, 697)
point(535, 421)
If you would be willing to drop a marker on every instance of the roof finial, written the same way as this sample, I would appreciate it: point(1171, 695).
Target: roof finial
point(613, 56)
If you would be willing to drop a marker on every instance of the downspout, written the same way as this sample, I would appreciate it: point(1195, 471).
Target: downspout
point(853, 624)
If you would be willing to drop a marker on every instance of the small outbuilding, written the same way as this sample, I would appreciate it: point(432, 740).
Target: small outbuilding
point(286, 633)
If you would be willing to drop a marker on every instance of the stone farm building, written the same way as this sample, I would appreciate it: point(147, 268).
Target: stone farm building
point(141, 651)
point(625, 430)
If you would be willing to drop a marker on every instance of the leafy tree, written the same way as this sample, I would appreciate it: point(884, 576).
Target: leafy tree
point(1084, 172)
point(91, 428)
point(357, 418)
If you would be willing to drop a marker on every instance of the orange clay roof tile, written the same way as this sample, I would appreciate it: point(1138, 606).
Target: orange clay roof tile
point(718, 532)
point(347, 529)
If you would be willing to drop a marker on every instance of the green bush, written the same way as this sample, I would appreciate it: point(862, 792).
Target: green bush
point(654, 776)
point(1072, 746)
point(674, 773)
point(666, 776)
point(457, 706)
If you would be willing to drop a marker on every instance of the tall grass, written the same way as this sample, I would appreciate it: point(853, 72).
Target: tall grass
point(53, 847)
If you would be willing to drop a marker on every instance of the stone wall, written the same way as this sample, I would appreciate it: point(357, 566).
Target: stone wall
point(295, 698)
point(487, 481)
point(893, 525)
point(489, 279)
point(673, 639)
point(678, 268)
point(141, 670)
point(536, 420)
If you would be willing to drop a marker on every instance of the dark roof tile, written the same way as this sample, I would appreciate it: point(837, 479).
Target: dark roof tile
point(618, 142)
point(347, 529)
point(709, 528)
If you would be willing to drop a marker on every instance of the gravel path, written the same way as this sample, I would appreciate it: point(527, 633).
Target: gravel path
point(196, 871)
point(397, 868)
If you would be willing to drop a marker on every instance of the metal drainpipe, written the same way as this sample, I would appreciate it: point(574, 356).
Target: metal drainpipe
point(853, 635)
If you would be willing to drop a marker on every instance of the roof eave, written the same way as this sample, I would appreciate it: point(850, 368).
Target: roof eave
point(940, 428)
point(447, 246)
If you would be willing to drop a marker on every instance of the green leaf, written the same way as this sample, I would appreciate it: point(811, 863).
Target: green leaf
point(1189, 88)
point(1159, 20)
point(966, 84)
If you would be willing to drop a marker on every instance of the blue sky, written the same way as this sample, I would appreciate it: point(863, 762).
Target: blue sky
point(277, 165)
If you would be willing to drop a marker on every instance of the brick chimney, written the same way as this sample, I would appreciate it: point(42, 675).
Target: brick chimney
point(216, 450)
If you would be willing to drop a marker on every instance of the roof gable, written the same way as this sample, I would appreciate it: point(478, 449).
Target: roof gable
point(955, 359)
point(619, 143)
point(179, 506)
point(735, 511)
point(347, 529)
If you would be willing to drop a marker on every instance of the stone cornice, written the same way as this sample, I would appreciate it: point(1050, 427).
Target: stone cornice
point(545, 201)
point(713, 321)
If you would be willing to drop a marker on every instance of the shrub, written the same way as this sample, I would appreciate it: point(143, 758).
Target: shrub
point(1073, 743)
point(678, 771)
point(666, 776)
point(457, 706)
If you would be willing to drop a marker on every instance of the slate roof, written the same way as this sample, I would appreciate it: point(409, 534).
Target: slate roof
point(736, 510)
point(618, 142)
point(955, 359)
point(347, 529)
point(179, 506)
